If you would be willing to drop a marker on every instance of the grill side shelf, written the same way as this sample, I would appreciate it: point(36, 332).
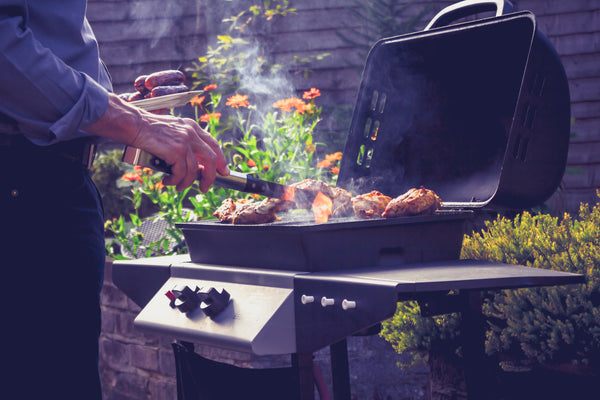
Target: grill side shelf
point(140, 279)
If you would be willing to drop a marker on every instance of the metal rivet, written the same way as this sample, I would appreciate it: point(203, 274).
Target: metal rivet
point(348, 304)
point(307, 299)
point(327, 302)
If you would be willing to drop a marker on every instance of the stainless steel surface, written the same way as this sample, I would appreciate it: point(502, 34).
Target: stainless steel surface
point(284, 312)
point(259, 318)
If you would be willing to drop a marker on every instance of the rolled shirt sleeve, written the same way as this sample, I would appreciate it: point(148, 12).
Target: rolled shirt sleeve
point(51, 81)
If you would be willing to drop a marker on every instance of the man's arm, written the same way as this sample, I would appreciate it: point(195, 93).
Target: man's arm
point(40, 95)
point(180, 142)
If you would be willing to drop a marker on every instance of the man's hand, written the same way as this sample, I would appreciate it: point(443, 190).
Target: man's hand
point(180, 142)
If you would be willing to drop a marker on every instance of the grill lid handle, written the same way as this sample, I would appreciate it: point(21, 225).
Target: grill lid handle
point(466, 8)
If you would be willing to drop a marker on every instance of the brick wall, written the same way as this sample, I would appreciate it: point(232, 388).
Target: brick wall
point(142, 36)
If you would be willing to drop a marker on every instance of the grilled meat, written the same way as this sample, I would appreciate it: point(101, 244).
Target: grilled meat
point(370, 205)
point(226, 210)
point(251, 212)
point(342, 199)
point(259, 212)
point(414, 202)
point(164, 78)
point(159, 91)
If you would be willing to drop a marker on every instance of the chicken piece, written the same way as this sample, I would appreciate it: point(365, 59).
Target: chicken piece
point(342, 204)
point(414, 202)
point(370, 205)
point(251, 212)
point(226, 210)
point(312, 186)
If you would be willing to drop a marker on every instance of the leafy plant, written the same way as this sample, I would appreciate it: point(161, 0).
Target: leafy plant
point(278, 146)
point(376, 19)
point(548, 325)
point(267, 136)
point(107, 169)
point(237, 55)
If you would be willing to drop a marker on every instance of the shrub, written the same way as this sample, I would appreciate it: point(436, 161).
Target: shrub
point(546, 325)
point(107, 169)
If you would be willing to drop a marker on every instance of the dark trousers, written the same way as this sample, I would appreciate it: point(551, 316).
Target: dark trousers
point(51, 261)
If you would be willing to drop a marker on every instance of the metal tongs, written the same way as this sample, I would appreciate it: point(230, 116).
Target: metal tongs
point(235, 180)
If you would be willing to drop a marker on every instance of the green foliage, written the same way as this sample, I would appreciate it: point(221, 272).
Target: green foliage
point(107, 169)
point(547, 325)
point(261, 134)
point(279, 148)
point(236, 55)
point(414, 335)
point(377, 19)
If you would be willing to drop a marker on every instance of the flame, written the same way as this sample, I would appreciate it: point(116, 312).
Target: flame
point(322, 208)
point(288, 193)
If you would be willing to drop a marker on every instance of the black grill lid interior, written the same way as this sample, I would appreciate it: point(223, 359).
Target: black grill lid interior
point(435, 109)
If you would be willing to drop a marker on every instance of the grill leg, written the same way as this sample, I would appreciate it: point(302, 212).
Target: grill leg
point(339, 370)
point(479, 384)
point(303, 363)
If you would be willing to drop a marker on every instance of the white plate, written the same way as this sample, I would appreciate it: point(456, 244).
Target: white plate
point(168, 101)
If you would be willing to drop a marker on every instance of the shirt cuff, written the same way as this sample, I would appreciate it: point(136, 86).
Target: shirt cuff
point(90, 106)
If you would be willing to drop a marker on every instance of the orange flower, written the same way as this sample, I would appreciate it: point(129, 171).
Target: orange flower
point(209, 116)
point(137, 167)
point(335, 170)
point(251, 163)
point(237, 101)
point(334, 157)
point(210, 87)
point(159, 186)
point(311, 147)
point(147, 171)
point(197, 101)
point(265, 167)
point(132, 176)
point(293, 102)
point(324, 164)
point(311, 94)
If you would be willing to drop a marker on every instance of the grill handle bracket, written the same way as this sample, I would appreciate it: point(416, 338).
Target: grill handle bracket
point(468, 8)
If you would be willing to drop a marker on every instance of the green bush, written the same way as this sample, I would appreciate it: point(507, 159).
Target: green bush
point(106, 171)
point(547, 325)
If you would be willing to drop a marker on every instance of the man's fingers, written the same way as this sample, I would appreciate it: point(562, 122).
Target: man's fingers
point(207, 139)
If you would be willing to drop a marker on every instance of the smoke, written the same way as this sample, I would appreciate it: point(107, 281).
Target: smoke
point(171, 21)
point(255, 81)
point(154, 23)
point(264, 86)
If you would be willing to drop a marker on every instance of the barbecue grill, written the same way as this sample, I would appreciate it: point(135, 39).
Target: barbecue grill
point(477, 111)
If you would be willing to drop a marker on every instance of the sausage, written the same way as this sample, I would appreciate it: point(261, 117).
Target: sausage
point(139, 84)
point(165, 90)
point(136, 96)
point(164, 78)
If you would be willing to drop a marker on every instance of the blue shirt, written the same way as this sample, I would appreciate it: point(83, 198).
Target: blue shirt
point(52, 81)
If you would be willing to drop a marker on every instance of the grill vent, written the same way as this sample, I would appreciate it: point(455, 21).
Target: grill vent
point(537, 85)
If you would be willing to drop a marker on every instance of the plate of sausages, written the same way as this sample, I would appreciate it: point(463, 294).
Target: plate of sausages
point(167, 101)
point(160, 90)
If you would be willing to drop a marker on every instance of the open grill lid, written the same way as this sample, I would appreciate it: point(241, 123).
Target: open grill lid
point(479, 112)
